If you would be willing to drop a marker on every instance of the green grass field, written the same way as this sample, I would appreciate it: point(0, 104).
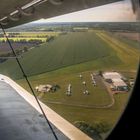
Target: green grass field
point(65, 51)
point(62, 60)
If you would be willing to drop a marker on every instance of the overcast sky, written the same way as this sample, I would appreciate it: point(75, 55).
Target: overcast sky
point(119, 11)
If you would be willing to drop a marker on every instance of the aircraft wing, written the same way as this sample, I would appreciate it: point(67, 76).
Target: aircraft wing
point(17, 12)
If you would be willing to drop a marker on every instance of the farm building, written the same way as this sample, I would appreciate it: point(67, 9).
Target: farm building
point(80, 29)
point(43, 88)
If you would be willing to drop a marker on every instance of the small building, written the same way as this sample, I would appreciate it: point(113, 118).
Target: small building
point(43, 88)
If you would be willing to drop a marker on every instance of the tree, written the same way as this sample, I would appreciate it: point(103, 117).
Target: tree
point(55, 88)
point(18, 51)
point(25, 49)
point(100, 73)
point(94, 130)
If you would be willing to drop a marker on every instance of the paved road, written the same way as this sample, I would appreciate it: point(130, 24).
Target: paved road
point(60, 123)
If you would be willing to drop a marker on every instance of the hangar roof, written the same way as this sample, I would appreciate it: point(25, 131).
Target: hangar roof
point(118, 82)
point(111, 75)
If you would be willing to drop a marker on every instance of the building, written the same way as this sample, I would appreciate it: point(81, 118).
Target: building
point(119, 85)
point(80, 29)
point(108, 76)
point(116, 81)
point(43, 88)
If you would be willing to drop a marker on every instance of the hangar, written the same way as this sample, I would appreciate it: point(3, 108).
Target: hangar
point(116, 81)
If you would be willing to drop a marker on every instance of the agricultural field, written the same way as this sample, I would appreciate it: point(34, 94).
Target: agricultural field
point(72, 50)
point(4, 47)
point(129, 35)
point(25, 39)
point(61, 61)
point(17, 39)
point(39, 34)
point(31, 34)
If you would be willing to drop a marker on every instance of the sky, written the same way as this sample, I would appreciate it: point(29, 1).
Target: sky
point(116, 12)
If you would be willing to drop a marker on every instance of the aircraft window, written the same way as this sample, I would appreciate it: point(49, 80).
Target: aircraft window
point(83, 66)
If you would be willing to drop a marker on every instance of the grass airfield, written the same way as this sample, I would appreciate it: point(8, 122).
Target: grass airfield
point(64, 59)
